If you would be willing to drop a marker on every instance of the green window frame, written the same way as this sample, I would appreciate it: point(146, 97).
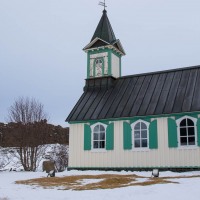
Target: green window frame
point(127, 136)
point(99, 136)
point(150, 135)
point(187, 131)
point(140, 134)
point(172, 133)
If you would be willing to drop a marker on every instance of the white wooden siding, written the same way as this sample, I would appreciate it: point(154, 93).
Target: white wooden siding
point(161, 157)
point(115, 66)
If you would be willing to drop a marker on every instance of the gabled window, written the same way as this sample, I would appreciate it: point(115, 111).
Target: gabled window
point(187, 131)
point(140, 134)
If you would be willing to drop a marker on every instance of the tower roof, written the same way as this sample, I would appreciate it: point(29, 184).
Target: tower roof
point(104, 30)
point(104, 35)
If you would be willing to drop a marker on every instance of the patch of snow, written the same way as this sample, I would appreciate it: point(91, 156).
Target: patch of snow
point(187, 189)
point(89, 181)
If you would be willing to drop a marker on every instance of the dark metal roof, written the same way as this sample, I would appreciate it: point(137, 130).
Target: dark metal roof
point(164, 92)
point(104, 30)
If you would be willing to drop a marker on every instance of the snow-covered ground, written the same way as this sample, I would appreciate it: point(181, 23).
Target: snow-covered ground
point(188, 189)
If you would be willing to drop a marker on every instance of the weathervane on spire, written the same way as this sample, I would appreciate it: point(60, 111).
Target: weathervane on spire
point(103, 4)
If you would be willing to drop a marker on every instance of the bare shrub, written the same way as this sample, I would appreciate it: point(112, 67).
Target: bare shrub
point(31, 127)
point(59, 155)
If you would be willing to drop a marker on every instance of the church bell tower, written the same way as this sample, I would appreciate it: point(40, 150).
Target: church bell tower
point(104, 51)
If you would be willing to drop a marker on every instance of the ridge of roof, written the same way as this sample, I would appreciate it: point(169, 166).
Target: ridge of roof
point(161, 72)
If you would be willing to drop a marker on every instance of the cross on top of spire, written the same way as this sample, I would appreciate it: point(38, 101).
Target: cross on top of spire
point(103, 4)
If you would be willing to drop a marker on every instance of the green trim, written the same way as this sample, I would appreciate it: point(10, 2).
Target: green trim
point(195, 115)
point(172, 133)
point(98, 51)
point(87, 137)
point(127, 136)
point(88, 65)
point(165, 168)
point(116, 54)
point(153, 135)
point(109, 63)
point(143, 119)
point(102, 50)
point(105, 50)
point(198, 132)
point(136, 118)
point(110, 137)
point(105, 122)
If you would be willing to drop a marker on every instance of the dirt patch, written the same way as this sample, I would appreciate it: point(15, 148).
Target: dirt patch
point(106, 181)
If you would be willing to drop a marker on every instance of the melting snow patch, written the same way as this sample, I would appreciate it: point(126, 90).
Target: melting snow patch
point(89, 181)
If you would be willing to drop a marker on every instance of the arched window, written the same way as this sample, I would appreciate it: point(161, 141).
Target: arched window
point(140, 134)
point(99, 136)
point(187, 131)
point(98, 67)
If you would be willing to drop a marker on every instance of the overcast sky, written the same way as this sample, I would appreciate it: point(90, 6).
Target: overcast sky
point(41, 45)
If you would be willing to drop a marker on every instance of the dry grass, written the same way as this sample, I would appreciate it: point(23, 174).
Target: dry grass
point(106, 181)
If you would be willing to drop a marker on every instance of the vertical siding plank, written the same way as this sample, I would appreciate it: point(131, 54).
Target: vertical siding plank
point(172, 133)
point(87, 137)
point(198, 132)
point(153, 135)
point(127, 133)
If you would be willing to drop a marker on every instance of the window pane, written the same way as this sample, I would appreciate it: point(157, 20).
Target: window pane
point(95, 144)
point(144, 143)
point(102, 128)
point(191, 131)
point(137, 134)
point(95, 136)
point(144, 134)
point(183, 122)
point(137, 143)
point(102, 144)
point(137, 126)
point(191, 140)
point(143, 125)
point(190, 122)
point(102, 136)
point(183, 141)
point(183, 132)
point(96, 128)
